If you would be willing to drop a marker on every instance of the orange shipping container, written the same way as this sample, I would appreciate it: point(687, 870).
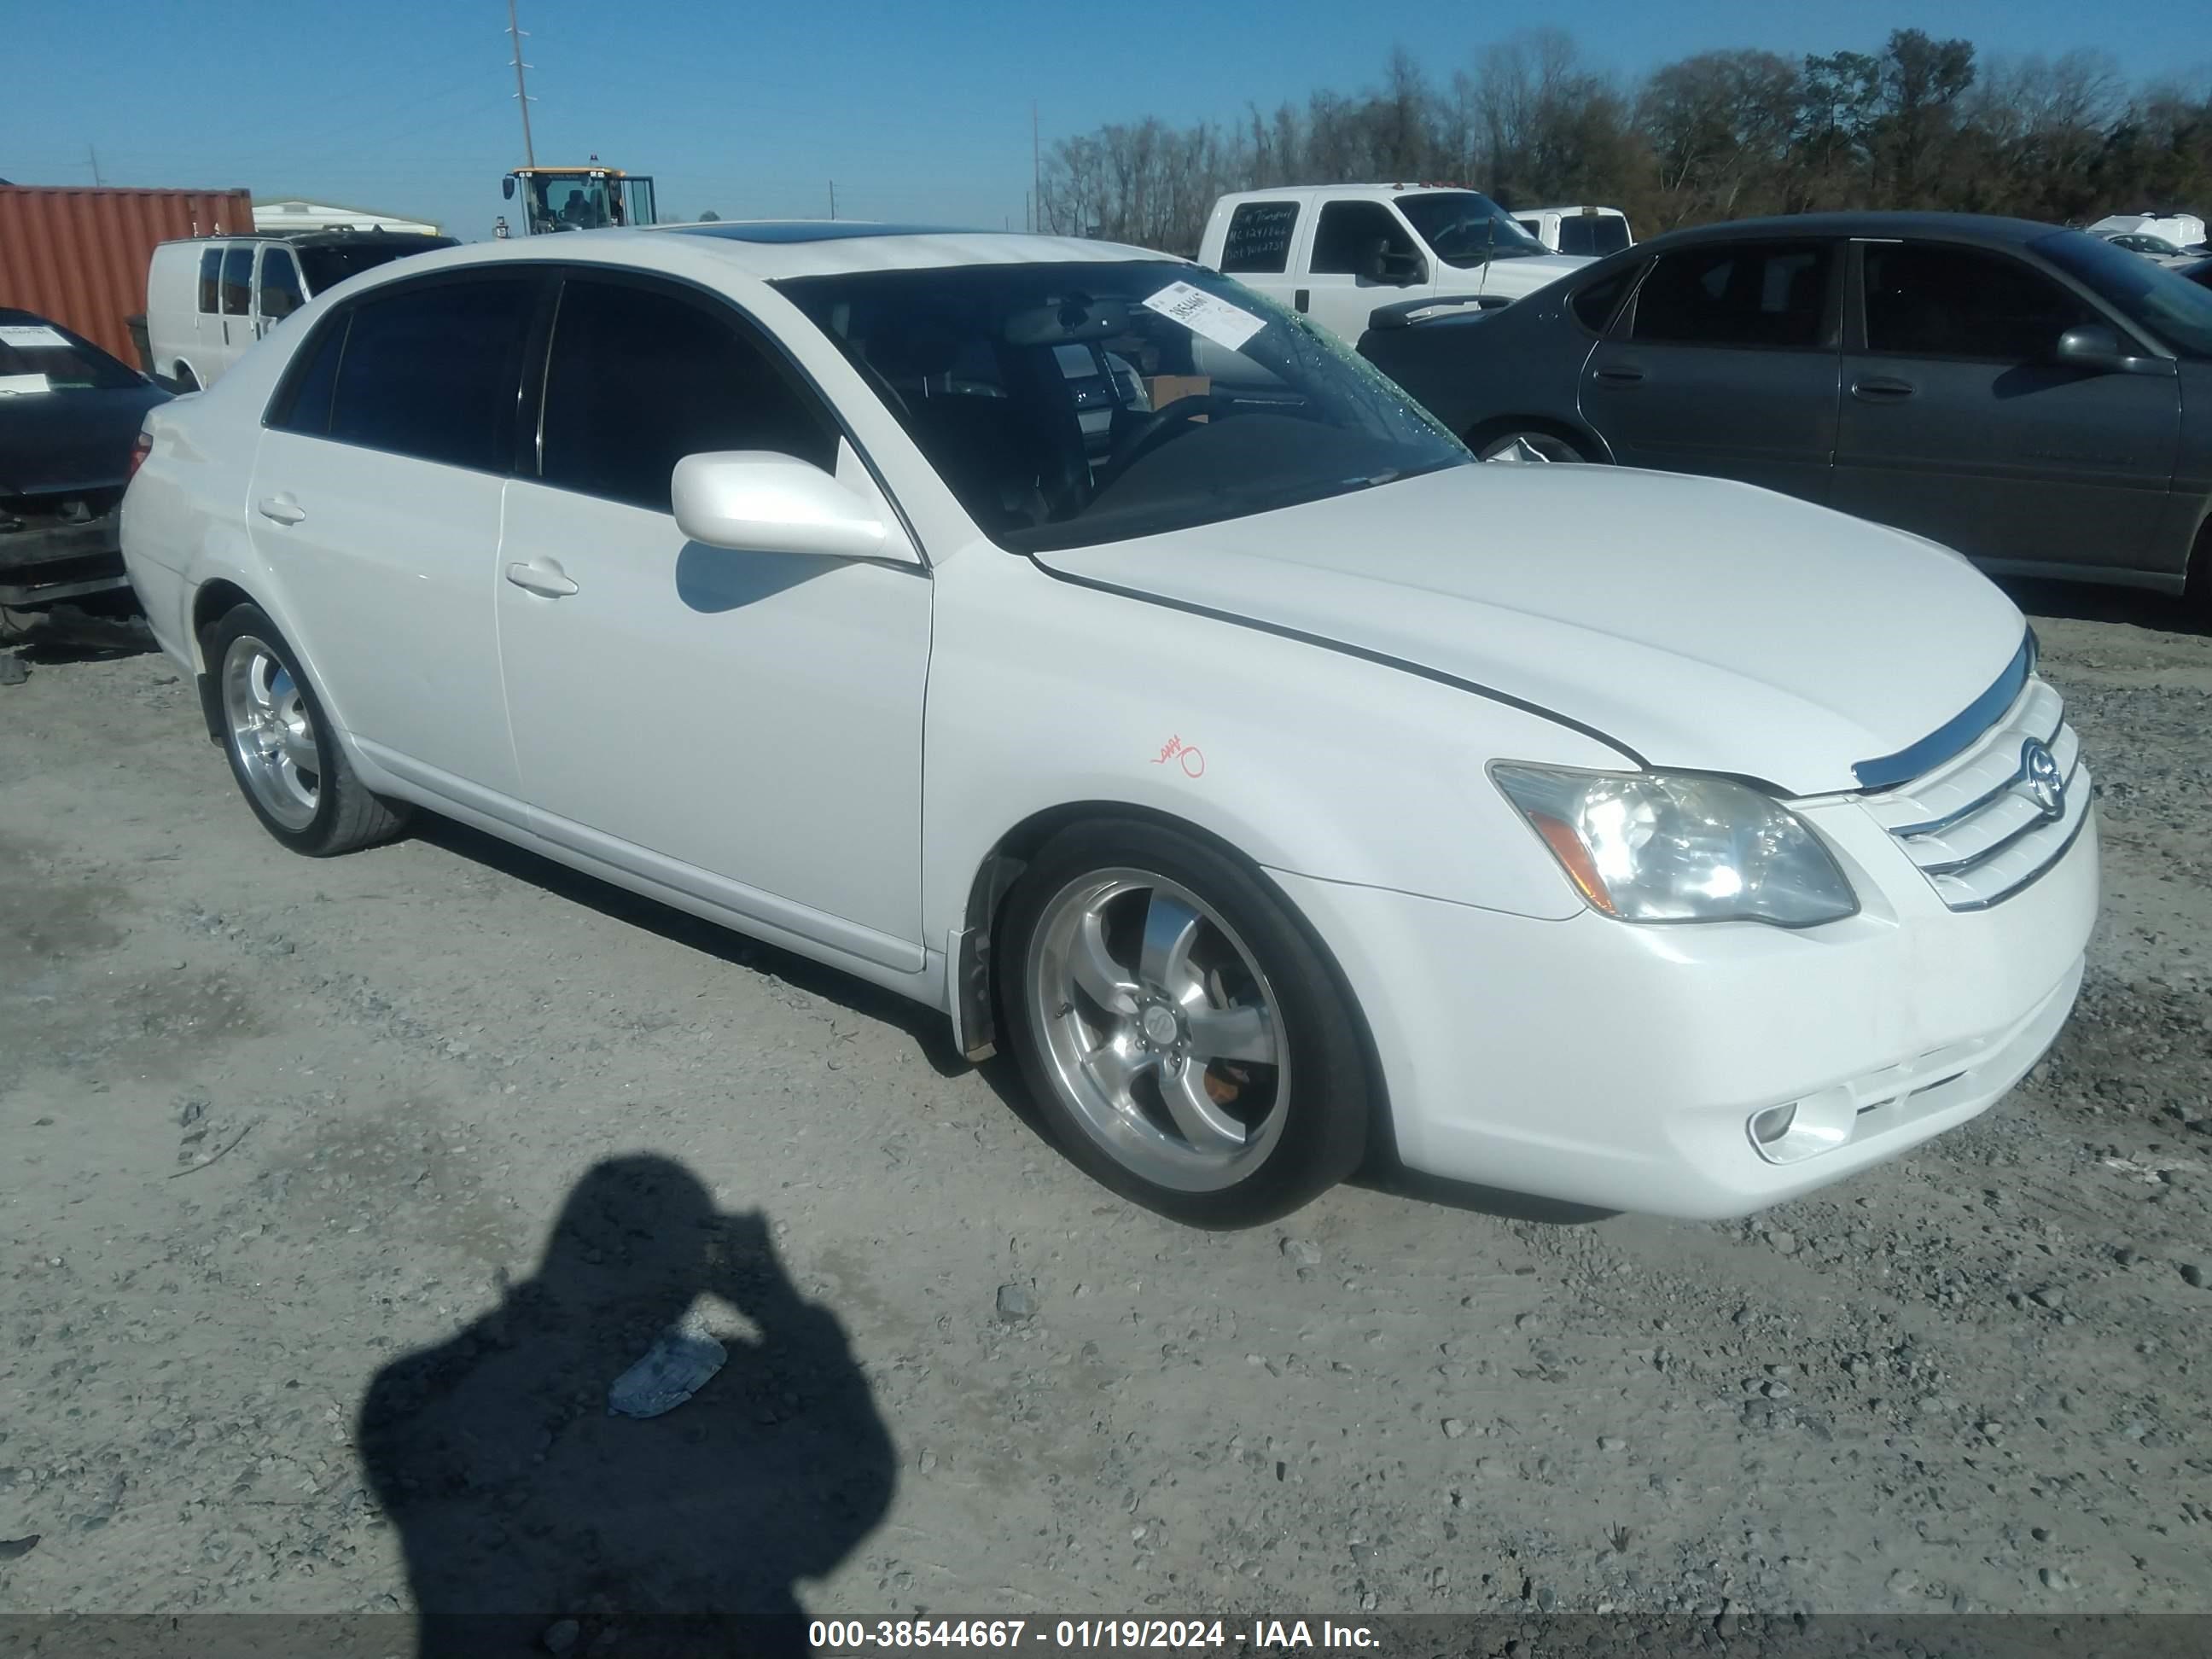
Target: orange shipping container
point(79, 256)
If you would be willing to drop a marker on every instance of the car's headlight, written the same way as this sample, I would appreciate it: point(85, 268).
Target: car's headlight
point(1661, 846)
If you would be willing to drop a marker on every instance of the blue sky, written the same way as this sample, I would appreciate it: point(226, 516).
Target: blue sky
point(916, 112)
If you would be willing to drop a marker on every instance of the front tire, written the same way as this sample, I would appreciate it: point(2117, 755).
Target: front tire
point(1550, 445)
point(1187, 1041)
point(288, 764)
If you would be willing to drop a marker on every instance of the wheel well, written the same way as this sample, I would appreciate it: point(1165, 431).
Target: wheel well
point(1581, 437)
point(215, 599)
point(1002, 867)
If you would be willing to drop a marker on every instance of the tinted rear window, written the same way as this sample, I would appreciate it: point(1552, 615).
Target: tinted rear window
point(433, 371)
point(69, 364)
point(1595, 304)
point(1259, 239)
point(1736, 294)
point(237, 279)
point(329, 265)
point(302, 403)
point(1595, 233)
point(211, 280)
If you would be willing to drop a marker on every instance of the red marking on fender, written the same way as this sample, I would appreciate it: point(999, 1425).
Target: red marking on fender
point(1174, 749)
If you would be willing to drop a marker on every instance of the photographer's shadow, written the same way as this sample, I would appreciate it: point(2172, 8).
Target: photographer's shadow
point(522, 1502)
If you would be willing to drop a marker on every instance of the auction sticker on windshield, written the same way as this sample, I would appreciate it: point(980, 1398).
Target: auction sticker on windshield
point(1201, 314)
point(38, 334)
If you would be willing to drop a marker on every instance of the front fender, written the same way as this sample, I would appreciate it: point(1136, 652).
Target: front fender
point(1305, 759)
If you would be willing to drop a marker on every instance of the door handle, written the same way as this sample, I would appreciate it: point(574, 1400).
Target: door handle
point(1882, 389)
point(282, 508)
point(544, 580)
point(1300, 298)
point(1622, 375)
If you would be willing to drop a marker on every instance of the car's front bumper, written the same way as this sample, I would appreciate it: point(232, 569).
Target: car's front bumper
point(44, 563)
point(1618, 1065)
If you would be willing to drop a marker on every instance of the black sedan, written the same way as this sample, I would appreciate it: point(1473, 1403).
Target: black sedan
point(68, 422)
point(2036, 399)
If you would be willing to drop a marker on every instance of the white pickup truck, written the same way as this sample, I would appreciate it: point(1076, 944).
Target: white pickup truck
point(1339, 251)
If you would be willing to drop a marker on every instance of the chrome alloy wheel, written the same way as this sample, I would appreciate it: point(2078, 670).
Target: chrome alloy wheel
point(1160, 1030)
point(272, 735)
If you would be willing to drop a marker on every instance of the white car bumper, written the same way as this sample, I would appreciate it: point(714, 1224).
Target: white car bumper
point(1619, 1065)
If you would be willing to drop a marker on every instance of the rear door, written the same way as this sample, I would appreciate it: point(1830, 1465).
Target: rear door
point(1725, 362)
point(1959, 425)
point(1257, 246)
point(207, 319)
point(376, 503)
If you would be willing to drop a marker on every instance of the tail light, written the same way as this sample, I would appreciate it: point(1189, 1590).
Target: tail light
point(141, 447)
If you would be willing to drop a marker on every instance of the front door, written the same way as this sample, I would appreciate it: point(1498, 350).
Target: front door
point(1959, 425)
point(744, 726)
point(1725, 364)
point(277, 292)
point(376, 501)
point(1343, 287)
point(237, 319)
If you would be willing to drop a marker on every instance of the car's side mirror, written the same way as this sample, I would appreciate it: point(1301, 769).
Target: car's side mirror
point(2097, 349)
point(1396, 269)
point(753, 501)
point(507, 187)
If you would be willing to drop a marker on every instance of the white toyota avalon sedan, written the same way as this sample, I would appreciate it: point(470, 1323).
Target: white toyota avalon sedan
point(1280, 787)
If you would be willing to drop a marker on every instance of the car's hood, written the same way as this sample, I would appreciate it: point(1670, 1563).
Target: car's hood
point(72, 440)
point(1699, 624)
point(1516, 277)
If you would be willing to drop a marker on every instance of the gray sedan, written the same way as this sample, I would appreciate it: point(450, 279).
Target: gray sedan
point(2036, 399)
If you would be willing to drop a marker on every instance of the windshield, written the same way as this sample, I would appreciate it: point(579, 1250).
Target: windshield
point(1204, 401)
point(329, 265)
point(2169, 305)
point(1467, 228)
point(37, 356)
point(571, 201)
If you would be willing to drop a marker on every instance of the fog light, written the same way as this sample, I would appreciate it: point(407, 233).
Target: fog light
point(1771, 1125)
point(1804, 1128)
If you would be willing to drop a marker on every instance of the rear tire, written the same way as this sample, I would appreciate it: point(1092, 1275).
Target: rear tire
point(288, 764)
point(1186, 1039)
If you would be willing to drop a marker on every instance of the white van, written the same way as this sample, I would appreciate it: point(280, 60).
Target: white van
point(210, 298)
point(1594, 231)
point(1339, 251)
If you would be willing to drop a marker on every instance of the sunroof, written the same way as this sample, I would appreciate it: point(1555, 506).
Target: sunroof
point(811, 230)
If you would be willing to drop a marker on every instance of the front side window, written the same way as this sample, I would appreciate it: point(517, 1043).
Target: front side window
point(280, 283)
point(2173, 306)
point(1244, 406)
point(1258, 242)
point(434, 370)
point(639, 379)
point(211, 280)
point(1736, 294)
point(1925, 299)
point(238, 279)
point(1350, 234)
point(1467, 228)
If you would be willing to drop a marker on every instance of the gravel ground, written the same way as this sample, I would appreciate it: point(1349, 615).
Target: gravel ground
point(280, 1323)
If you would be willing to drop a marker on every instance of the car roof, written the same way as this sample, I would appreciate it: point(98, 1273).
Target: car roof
point(1947, 227)
point(1336, 192)
point(771, 250)
point(1575, 207)
point(325, 238)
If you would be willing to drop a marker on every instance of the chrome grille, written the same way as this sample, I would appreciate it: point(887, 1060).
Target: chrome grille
point(1972, 825)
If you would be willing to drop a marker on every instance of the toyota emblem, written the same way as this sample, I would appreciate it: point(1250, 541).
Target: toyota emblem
point(2040, 777)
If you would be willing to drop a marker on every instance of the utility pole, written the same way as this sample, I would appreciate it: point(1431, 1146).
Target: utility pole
point(521, 93)
point(97, 181)
point(1037, 172)
point(832, 199)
